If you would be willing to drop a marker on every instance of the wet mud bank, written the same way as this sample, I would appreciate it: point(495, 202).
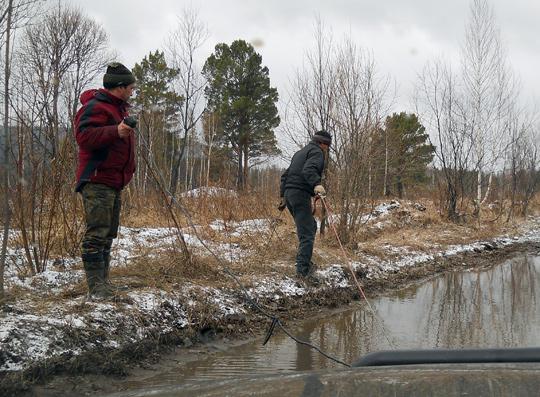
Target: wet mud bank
point(136, 332)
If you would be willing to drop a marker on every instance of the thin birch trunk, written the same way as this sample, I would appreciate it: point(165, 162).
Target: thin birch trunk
point(7, 210)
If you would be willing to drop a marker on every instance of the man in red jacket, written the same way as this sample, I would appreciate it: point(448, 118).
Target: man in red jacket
point(106, 165)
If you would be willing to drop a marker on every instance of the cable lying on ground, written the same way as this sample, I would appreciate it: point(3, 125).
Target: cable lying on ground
point(170, 200)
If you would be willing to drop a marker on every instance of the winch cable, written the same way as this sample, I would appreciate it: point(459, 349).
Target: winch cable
point(275, 320)
point(158, 177)
point(349, 265)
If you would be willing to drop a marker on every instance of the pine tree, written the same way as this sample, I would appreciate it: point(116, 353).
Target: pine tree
point(239, 92)
point(409, 152)
point(158, 105)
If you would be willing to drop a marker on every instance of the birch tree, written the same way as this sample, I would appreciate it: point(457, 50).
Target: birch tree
point(444, 114)
point(313, 90)
point(489, 88)
point(360, 105)
point(182, 49)
point(14, 14)
point(5, 182)
point(523, 156)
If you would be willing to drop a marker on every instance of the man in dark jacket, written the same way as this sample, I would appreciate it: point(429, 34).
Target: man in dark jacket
point(106, 165)
point(300, 182)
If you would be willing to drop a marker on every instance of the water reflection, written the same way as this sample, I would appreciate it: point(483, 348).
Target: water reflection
point(491, 308)
point(495, 308)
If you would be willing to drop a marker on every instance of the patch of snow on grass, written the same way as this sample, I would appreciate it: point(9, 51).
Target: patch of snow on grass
point(25, 338)
point(334, 276)
point(380, 211)
point(146, 301)
point(253, 226)
point(131, 238)
point(209, 192)
point(237, 229)
point(268, 287)
point(291, 287)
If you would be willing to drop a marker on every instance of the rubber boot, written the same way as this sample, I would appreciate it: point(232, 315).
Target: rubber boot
point(94, 280)
point(312, 269)
point(106, 278)
point(106, 265)
point(310, 277)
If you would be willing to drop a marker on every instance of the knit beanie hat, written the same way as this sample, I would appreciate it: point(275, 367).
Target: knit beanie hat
point(323, 137)
point(117, 75)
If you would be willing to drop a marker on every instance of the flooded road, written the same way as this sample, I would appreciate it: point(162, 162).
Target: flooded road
point(496, 307)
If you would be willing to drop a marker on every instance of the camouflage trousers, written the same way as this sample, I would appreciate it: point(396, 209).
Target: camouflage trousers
point(102, 214)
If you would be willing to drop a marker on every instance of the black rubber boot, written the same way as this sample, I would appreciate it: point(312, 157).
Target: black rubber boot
point(95, 281)
point(311, 277)
point(113, 288)
point(105, 273)
point(312, 269)
point(106, 265)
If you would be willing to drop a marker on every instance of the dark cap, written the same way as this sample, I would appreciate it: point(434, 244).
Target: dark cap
point(323, 137)
point(117, 75)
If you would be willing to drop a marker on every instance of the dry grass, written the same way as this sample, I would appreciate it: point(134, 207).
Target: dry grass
point(265, 249)
point(166, 268)
point(272, 250)
point(428, 230)
point(203, 209)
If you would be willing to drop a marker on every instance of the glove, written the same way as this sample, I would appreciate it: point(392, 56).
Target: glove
point(282, 204)
point(319, 190)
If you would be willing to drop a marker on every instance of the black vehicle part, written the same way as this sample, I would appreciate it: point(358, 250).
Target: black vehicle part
point(449, 356)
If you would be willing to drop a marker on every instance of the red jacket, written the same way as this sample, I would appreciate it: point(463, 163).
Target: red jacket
point(104, 157)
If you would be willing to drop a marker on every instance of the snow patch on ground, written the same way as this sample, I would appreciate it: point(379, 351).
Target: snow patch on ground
point(225, 301)
point(334, 276)
point(209, 192)
point(380, 211)
point(131, 239)
point(276, 288)
point(49, 280)
point(79, 326)
point(237, 229)
point(27, 338)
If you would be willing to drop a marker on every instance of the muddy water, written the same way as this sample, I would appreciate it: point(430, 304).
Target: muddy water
point(489, 308)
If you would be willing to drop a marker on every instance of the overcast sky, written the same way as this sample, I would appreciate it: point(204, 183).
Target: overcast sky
point(402, 34)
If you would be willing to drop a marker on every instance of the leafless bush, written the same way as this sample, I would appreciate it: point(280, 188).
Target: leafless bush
point(58, 56)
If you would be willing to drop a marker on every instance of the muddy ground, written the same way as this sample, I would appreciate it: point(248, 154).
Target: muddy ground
point(104, 370)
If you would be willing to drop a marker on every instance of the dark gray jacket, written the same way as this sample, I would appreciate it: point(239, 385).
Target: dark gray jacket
point(305, 171)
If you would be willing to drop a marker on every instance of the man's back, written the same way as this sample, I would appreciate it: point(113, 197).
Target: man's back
point(305, 170)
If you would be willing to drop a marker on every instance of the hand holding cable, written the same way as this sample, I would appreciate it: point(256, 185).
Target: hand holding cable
point(282, 204)
point(320, 191)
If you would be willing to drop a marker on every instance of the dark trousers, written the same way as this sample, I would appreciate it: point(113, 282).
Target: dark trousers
point(299, 205)
point(102, 215)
